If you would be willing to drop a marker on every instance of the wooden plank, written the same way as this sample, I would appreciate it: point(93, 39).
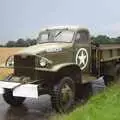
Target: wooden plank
point(109, 46)
point(110, 59)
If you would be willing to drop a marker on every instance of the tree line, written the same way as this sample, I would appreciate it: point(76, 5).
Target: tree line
point(20, 43)
point(104, 39)
point(101, 39)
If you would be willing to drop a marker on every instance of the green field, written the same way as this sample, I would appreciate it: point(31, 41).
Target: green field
point(105, 106)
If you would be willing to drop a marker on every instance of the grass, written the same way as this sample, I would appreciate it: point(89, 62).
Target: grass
point(105, 106)
point(5, 72)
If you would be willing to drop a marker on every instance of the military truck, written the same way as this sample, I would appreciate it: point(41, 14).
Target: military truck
point(64, 59)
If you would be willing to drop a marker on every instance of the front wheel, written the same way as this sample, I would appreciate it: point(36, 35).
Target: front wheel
point(12, 100)
point(63, 95)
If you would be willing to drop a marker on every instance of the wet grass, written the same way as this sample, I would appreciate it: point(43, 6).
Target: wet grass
point(104, 106)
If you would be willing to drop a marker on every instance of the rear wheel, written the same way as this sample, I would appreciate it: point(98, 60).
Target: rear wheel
point(108, 79)
point(115, 78)
point(63, 95)
point(12, 100)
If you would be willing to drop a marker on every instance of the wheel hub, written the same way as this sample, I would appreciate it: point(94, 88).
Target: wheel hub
point(66, 94)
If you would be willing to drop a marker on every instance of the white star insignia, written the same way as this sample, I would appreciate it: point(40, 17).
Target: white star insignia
point(82, 58)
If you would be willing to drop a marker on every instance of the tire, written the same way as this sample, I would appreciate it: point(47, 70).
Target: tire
point(11, 100)
point(115, 78)
point(108, 79)
point(63, 95)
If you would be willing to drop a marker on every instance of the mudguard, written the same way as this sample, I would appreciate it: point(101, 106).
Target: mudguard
point(56, 68)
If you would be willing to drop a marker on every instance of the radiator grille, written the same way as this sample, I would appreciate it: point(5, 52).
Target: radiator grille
point(24, 66)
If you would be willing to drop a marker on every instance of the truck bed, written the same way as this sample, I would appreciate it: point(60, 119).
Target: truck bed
point(109, 52)
point(109, 46)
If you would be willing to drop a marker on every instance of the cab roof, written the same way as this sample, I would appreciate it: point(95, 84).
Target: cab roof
point(69, 27)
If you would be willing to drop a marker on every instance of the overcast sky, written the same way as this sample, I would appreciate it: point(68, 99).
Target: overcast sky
point(25, 18)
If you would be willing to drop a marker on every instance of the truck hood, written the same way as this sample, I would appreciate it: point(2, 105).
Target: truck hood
point(45, 47)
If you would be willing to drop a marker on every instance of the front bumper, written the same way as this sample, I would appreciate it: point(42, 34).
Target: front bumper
point(20, 90)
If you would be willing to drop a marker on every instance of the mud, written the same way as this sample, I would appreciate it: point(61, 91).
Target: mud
point(32, 109)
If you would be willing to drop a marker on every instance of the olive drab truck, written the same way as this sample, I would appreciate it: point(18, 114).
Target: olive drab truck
point(63, 59)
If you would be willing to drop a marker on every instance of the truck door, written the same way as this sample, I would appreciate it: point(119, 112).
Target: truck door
point(95, 60)
point(82, 50)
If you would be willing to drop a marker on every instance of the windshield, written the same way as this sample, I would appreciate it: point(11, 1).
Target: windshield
point(56, 36)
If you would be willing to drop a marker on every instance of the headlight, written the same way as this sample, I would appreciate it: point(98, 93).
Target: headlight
point(43, 62)
point(10, 61)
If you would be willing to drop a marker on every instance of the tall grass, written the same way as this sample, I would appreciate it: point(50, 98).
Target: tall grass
point(105, 106)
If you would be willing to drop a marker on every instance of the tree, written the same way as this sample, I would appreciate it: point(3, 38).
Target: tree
point(1, 45)
point(20, 43)
point(10, 44)
point(30, 42)
point(102, 39)
point(117, 40)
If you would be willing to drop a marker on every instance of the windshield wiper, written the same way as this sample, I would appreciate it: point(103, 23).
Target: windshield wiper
point(58, 33)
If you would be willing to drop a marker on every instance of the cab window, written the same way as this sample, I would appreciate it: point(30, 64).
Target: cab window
point(82, 37)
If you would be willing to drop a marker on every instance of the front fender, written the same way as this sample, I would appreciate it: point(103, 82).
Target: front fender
point(58, 67)
point(60, 70)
